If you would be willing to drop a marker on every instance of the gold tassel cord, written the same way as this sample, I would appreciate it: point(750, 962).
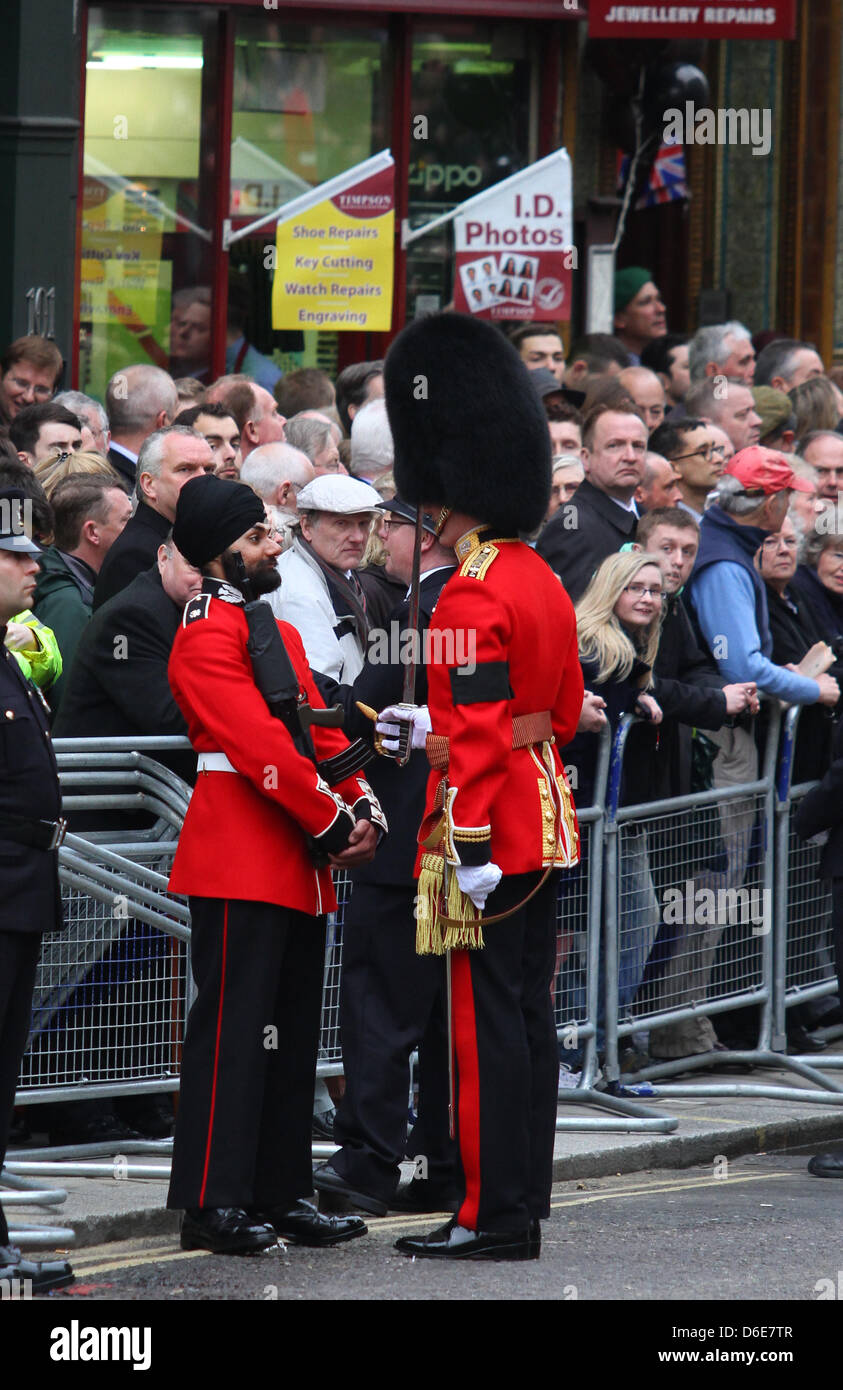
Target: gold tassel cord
point(444, 926)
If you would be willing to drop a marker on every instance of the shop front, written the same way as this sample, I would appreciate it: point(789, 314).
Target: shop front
point(199, 121)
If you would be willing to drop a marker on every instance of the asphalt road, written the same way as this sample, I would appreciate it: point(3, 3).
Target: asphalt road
point(758, 1228)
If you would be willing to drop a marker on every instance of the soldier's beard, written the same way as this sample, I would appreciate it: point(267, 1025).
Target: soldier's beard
point(264, 576)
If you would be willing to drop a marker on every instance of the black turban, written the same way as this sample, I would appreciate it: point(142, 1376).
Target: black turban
point(210, 514)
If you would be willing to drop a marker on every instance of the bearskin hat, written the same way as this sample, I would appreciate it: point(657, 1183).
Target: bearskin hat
point(469, 428)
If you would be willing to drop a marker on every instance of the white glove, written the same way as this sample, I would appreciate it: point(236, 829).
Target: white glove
point(388, 726)
point(477, 883)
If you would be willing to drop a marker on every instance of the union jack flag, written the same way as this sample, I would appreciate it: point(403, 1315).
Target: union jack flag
point(666, 183)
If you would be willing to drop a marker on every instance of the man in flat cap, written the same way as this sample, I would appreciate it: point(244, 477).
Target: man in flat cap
point(499, 819)
point(30, 832)
point(261, 830)
point(320, 593)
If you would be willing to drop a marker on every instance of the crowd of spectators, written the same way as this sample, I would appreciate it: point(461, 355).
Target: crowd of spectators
point(695, 521)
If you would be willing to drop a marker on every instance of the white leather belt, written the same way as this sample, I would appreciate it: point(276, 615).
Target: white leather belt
point(214, 762)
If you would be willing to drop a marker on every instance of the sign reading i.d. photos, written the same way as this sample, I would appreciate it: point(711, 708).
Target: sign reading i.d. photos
point(334, 253)
point(514, 246)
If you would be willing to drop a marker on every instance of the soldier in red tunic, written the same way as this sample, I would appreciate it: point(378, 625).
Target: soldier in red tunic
point(505, 692)
point(261, 830)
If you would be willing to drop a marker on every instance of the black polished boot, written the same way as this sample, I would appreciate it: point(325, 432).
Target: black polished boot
point(303, 1224)
point(453, 1242)
point(225, 1231)
point(828, 1165)
point(23, 1277)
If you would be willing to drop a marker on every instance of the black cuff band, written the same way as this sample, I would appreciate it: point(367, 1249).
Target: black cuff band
point(473, 853)
point(335, 839)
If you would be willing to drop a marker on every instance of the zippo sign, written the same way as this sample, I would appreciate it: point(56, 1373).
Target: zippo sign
point(514, 251)
point(742, 19)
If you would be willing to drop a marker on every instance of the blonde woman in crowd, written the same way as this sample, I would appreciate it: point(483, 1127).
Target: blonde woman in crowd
point(618, 626)
point(60, 465)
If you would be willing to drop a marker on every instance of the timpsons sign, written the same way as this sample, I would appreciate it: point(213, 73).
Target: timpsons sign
point(743, 19)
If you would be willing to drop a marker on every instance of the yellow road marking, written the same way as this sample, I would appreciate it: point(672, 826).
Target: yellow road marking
point(111, 1264)
point(721, 1119)
point(666, 1187)
point(659, 1185)
point(80, 1269)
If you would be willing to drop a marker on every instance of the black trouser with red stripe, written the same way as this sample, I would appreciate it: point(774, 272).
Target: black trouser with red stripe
point(243, 1128)
point(507, 1060)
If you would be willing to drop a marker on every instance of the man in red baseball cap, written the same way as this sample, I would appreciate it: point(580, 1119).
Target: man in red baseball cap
point(726, 590)
point(766, 471)
point(728, 596)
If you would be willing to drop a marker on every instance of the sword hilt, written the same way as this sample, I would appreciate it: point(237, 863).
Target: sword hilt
point(405, 744)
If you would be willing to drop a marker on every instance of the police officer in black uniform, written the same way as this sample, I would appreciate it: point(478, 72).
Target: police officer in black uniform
point(391, 1000)
point(30, 831)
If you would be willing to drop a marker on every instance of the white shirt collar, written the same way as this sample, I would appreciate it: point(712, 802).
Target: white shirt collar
point(121, 449)
point(435, 570)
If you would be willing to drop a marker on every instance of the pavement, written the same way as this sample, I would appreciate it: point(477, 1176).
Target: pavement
point(122, 1196)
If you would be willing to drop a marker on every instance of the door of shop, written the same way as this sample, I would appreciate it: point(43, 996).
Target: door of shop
point(195, 115)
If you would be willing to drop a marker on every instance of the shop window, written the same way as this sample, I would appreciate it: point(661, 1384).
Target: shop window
point(474, 94)
point(310, 101)
point(147, 196)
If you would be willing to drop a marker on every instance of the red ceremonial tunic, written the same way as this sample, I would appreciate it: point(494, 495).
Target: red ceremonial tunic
point(244, 835)
point(505, 613)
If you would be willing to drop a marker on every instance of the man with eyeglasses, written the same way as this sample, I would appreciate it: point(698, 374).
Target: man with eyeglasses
point(30, 371)
point(699, 461)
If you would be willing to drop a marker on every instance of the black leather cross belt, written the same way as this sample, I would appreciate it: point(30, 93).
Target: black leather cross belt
point(40, 834)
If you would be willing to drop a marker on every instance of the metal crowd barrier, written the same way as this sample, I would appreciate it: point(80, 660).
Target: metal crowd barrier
point(804, 962)
point(114, 990)
point(727, 861)
point(577, 987)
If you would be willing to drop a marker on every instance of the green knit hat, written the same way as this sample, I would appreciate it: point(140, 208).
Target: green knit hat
point(628, 282)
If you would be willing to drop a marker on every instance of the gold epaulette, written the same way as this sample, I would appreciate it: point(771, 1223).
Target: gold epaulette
point(478, 562)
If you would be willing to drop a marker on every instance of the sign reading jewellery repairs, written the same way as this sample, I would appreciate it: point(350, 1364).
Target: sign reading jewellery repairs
point(742, 19)
point(514, 246)
point(334, 253)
